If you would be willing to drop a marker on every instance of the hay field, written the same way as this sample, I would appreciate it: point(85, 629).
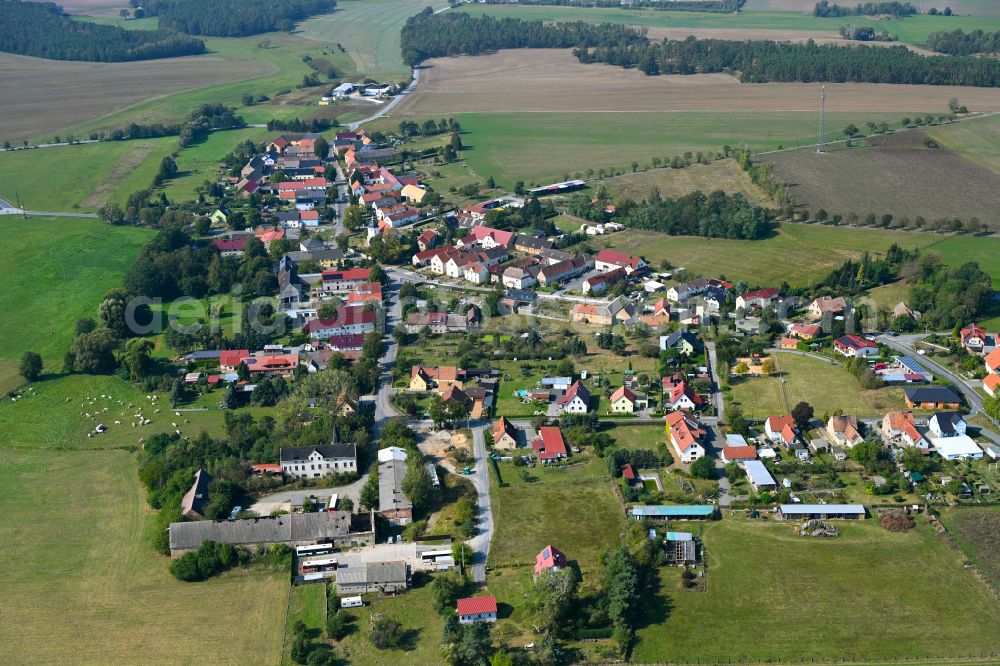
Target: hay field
point(45, 95)
point(797, 253)
point(552, 80)
point(977, 140)
point(900, 177)
point(723, 175)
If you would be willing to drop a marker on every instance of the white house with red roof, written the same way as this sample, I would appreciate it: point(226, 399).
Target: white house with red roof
point(351, 279)
point(477, 609)
point(992, 361)
point(487, 238)
point(761, 298)
point(229, 359)
point(608, 260)
point(551, 558)
point(678, 394)
point(976, 340)
point(349, 321)
point(427, 240)
point(550, 444)
point(780, 429)
point(576, 400)
point(991, 384)
point(230, 247)
point(685, 433)
point(855, 345)
point(738, 453)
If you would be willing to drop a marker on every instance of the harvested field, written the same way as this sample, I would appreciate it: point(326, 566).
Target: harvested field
point(95, 7)
point(724, 175)
point(787, 35)
point(972, 7)
point(90, 90)
point(900, 176)
point(552, 80)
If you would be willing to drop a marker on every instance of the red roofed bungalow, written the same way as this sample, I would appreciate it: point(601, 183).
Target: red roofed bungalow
point(551, 446)
point(738, 453)
point(550, 558)
point(230, 245)
point(477, 609)
point(607, 259)
point(311, 215)
point(229, 359)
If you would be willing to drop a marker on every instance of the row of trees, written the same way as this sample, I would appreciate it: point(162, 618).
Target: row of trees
point(234, 18)
point(765, 61)
point(959, 43)
point(40, 29)
point(429, 35)
point(824, 9)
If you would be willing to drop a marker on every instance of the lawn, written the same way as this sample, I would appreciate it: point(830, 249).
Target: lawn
point(958, 250)
point(911, 30)
point(826, 387)
point(306, 603)
point(56, 271)
point(572, 508)
point(797, 253)
point(977, 531)
point(822, 596)
point(82, 584)
point(80, 177)
point(543, 147)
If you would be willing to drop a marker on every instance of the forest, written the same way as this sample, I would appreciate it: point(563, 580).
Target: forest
point(42, 30)
point(824, 9)
point(767, 61)
point(234, 18)
point(959, 43)
point(429, 35)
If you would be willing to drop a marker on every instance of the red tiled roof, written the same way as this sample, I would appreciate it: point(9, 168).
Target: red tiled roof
point(617, 258)
point(739, 453)
point(628, 472)
point(349, 275)
point(230, 358)
point(230, 245)
point(623, 392)
point(551, 443)
point(477, 605)
point(549, 557)
point(576, 389)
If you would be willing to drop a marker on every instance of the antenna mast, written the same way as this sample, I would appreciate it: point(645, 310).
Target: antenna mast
point(822, 130)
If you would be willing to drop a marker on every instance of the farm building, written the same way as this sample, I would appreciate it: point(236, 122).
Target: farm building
point(673, 512)
point(932, 397)
point(758, 476)
point(341, 528)
point(382, 577)
point(957, 447)
point(821, 511)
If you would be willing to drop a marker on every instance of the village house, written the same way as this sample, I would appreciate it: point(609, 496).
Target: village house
point(387, 578)
point(282, 365)
point(438, 323)
point(855, 345)
point(576, 400)
point(805, 331)
point(678, 394)
point(947, 424)
point(530, 244)
point(975, 340)
point(899, 426)
point(623, 401)
point(684, 433)
point(660, 315)
point(682, 292)
point(609, 260)
point(427, 240)
point(504, 434)
point(194, 501)
point(603, 314)
point(550, 445)
point(780, 429)
point(599, 283)
point(549, 559)
point(344, 280)
point(682, 341)
point(991, 383)
point(932, 397)
point(230, 247)
point(341, 528)
point(553, 274)
point(313, 462)
point(477, 609)
point(827, 305)
point(992, 361)
point(425, 378)
point(349, 321)
point(758, 299)
point(486, 238)
point(519, 278)
point(844, 431)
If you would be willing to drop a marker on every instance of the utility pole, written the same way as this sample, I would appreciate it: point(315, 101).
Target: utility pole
point(822, 130)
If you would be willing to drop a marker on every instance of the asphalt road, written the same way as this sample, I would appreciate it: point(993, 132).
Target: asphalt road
point(480, 543)
point(392, 104)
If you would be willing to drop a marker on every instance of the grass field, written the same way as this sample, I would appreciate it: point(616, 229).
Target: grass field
point(797, 253)
point(959, 249)
point(910, 30)
point(91, 89)
point(81, 177)
point(960, 7)
point(826, 387)
point(900, 176)
point(977, 140)
point(82, 584)
point(57, 270)
point(773, 595)
point(724, 175)
point(977, 531)
point(200, 162)
point(370, 33)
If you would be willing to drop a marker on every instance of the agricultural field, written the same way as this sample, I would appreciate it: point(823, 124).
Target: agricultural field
point(797, 253)
point(912, 30)
point(73, 263)
point(552, 80)
point(977, 140)
point(960, 7)
point(76, 540)
point(825, 386)
point(977, 531)
point(369, 31)
point(92, 90)
point(814, 610)
point(722, 175)
point(898, 174)
point(81, 177)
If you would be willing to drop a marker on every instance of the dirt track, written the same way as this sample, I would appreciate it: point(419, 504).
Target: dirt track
point(550, 80)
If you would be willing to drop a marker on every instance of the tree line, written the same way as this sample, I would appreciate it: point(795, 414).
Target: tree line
point(429, 35)
point(766, 61)
point(234, 18)
point(42, 30)
point(959, 43)
point(824, 9)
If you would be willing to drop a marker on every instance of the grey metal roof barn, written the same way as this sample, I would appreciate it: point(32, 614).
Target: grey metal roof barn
point(280, 529)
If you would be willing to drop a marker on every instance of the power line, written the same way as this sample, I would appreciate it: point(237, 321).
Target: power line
point(821, 148)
